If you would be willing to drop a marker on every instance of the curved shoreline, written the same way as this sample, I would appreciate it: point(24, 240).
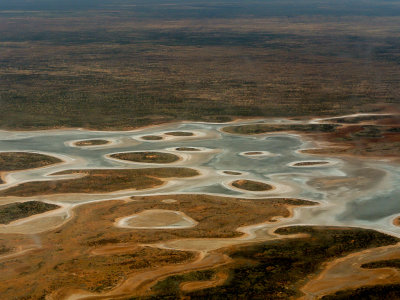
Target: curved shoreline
point(64, 160)
point(352, 274)
point(182, 157)
point(139, 283)
point(235, 120)
point(27, 225)
point(110, 142)
point(277, 188)
point(257, 154)
point(123, 221)
point(209, 175)
point(314, 163)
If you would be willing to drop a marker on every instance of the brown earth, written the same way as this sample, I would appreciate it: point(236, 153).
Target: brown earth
point(179, 133)
point(100, 181)
point(87, 143)
point(152, 137)
point(251, 185)
point(90, 253)
point(14, 161)
point(147, 157)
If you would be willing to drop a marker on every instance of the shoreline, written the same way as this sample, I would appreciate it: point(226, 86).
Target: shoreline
point(235, 119)
point(281, 183)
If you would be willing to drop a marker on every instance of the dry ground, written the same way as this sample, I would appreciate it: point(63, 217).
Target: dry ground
point(100, 181)
point(66, 257)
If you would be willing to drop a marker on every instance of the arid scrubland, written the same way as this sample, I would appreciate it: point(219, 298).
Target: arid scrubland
point(296, 76)
point(132, 66)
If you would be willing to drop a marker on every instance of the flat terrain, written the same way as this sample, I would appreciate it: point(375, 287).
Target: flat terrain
point(100, 181)
point(188, 240)
point(232, 173)
point(158, 219)
point(394, 263)
point(147, 157)
point(254, 87)
point(87, 143)
point(179, 133)
point(253, 153)
point(152, 137)
point(310, 163)
point(122, 65)
point(187, 149)
point(276, 270)
point(267, 128)
point(373, 291)
point(251, 185)
point(92, 245)
point(380, 137)
point(14, 161)
point(384, 292)
point(14, 211)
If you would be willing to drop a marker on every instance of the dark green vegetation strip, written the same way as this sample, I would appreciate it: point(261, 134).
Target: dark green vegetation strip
point(251, 185)
point(91, 143)
point(393, 263)
point(310, 163)
point(13, 161)
point(232, 173)
point(253, 153)
point(187, 149)
point(358, 119)
point(172, 283)
point(14, 211)
point(152, 137)
point(4, 249)
point(99, 181)
point(265, 128)
point(147, 157)
point(378, 292)
point(179, 133)
point(277, 269)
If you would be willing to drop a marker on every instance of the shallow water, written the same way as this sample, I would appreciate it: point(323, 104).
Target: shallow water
point(370, 202)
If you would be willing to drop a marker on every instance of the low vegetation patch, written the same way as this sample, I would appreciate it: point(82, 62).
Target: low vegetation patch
point(266, 128)
point(172, 283)
point(359, 119)
point(310, 163)
point(152, 137)
point(381, 292)
point(147, 157)
point(392, 263)
point(179, 133)
point(4, 249)
point(250, 185)
point(73, 247)
point(101, 181)
point(326, 151)
point(276, 269)
point(87, 143)
point(14, 161)
point(232, 173)
point(15, 211)
point(253, 153)
point(187, 149)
